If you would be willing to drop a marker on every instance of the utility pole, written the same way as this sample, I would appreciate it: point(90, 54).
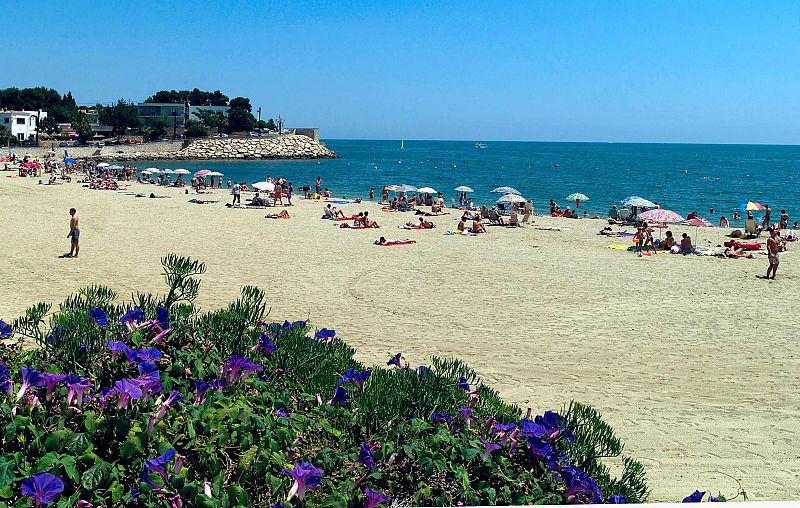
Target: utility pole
point(259, 122)
point(174, 123)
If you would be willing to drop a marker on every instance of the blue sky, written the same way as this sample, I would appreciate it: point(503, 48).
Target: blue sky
point(660, 71)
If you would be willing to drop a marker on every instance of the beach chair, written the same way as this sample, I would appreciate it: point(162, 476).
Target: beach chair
point(751, 228)
point(513, 221)
point(494, 217)
point(484, 213)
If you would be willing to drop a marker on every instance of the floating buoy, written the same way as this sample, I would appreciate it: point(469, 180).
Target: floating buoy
point(555, 165)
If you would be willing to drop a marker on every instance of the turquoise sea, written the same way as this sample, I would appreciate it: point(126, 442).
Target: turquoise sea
point(680, 177)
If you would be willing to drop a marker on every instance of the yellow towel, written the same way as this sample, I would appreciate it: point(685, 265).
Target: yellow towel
point(618, 246)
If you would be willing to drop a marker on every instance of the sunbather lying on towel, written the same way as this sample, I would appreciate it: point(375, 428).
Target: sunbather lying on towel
point(283, 214)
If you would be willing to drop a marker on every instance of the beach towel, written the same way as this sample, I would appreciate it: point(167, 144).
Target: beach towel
point(347, 226)
point(201, 202)
point(406, 226)
point(550, 228)
point(429, 214)
point(339, 202)
point(617, 246)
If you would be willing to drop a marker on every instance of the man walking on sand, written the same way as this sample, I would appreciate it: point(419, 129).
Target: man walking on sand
point(74, 234)
point(774, 246)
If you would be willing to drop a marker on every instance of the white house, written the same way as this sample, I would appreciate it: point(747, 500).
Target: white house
point(216, 109)
point(23, 125)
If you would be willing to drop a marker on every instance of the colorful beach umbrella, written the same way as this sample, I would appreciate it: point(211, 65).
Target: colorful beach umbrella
point(464, 188)
point(576, 196)
point(511, 198)
point(115, 166)
point(698, 223)
point(751, 205)
point(69, 161)
point(660, 215)
point(405, 188)
point(506, 190)
point(202, 173)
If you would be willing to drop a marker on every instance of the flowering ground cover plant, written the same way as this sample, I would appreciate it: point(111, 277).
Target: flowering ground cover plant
point(154, 402)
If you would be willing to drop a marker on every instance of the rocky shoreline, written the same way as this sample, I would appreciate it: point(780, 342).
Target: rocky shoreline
point(284, 147)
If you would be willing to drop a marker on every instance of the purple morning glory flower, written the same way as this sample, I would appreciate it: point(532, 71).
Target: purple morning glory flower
point(201, 387)
point(42, 488)
point(6, 384)
point(76, 389)
point(237, 367)
point(5, 330)
point(132, 317)
point(437, 418)
point(99, 316)
point(466, 414)
point(282, 413)
point(149, 378)
point(157, 465)
point(462, 383)
point(529, 428)
point(375, 498)
point(306, 477)
point(127, 389)
point(50, 383)
point(30, 377)
point(104, 395)
point(395, 360)
point(147, 355)
point(581, 488)
point(555, 426)
point(173, 398)
point(366, 458)
point(162, 317)
point(355, 378)
point(541, 450)
point(117, 347)
point(325, 334)
point(265, 344)
point(339, 397)
point(617, 500)
point(424, 370)
point(488, 448)
point(694, 497)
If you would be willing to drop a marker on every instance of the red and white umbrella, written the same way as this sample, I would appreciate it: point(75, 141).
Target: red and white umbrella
point(698, 223)
point(660, 215)
point(202, 173)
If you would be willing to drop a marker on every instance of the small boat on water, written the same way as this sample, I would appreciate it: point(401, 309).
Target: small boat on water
point(478, 144)
point(402, 147)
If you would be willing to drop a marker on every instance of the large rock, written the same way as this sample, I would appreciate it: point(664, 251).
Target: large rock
point(284, 147)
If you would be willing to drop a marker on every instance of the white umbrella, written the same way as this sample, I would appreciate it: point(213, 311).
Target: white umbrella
point(146, 172)
point(637, 201)
point(506, 190)
point(511, 198)
point(427, 190)
point(149, 170)
point(115, 166)
point(181, 171)
point(215, 173)
point(167, 171)
point(405, 188)
point(464, 188)
point(264, 186)
point(103, 165)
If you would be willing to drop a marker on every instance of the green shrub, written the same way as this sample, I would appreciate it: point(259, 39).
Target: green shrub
point(263, 403)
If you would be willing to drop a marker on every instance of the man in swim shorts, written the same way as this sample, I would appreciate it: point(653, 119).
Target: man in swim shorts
point(774, 246)
point(74, 234)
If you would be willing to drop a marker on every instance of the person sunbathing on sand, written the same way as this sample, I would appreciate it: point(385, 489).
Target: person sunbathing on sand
point(668, 242)
point(331, 212)
point(686, 244)
point(283, 214)
point(422, 224)
point(369, 223)
point(462, 224)
point(736, 253)
point(380, 241)
point(477, 227)
point(256, 200)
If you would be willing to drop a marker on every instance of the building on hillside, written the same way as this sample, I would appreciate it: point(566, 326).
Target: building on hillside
point(173, 112)
point(309, 132)
point(23, 125)
point(216, 109)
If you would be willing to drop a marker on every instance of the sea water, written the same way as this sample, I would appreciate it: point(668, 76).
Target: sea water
point(680, 177)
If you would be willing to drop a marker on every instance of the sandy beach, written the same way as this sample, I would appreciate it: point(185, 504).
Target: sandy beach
point(689, 358)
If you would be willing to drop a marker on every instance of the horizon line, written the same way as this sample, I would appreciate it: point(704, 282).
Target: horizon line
point(549, 141)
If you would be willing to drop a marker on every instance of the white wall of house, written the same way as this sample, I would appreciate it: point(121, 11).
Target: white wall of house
point(21, 124)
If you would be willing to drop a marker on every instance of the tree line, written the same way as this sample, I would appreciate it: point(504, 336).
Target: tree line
point(123, 116)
